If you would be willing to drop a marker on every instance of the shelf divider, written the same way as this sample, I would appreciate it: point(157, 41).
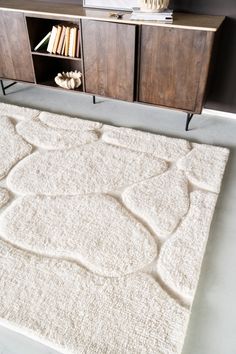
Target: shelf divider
point(46, 54)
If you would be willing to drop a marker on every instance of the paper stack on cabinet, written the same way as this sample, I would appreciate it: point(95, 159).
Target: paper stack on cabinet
point(164, 16)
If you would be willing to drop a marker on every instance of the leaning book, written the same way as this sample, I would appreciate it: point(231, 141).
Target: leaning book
point(43, 42)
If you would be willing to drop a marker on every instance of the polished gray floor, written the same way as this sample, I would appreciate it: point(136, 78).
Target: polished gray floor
point(212, 328)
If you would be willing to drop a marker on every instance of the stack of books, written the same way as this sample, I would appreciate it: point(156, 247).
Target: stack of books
point(61, 40)
point(165, 16)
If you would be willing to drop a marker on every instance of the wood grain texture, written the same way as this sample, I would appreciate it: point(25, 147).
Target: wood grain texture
point(202, 85)
point(109, 59)
point(41, 8)
point(15, 60)
point(173, 67)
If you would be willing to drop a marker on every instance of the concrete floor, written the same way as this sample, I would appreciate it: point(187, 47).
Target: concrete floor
point(212, 328)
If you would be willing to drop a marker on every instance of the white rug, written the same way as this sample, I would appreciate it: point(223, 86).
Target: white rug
point(102, 240)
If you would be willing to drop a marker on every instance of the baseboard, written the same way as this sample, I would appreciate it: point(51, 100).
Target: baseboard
point(212, 112)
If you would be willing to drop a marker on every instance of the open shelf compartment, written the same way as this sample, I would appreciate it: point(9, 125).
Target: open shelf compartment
point(46, 69)
point(38, 28)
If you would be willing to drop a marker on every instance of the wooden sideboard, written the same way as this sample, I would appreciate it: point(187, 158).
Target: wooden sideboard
point(161, 64)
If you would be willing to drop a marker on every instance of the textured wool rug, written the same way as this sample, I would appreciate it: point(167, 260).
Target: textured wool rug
point(102, 232)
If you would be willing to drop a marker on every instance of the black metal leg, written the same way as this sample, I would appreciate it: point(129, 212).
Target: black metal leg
point(10, 85)
point(3, 88)
point(94, 99)
point(189, 117)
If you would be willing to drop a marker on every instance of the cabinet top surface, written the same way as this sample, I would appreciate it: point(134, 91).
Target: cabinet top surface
point(181, 20)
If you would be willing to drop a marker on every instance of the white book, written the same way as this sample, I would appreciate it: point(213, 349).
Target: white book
point(142, 18)
point(43, 41)
point(137, 10)
point(154, 16)
point(52, 39)
point(71, 42)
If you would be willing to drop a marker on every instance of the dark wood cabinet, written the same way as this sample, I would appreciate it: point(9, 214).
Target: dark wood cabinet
point(109, 59)
point(15, 56)
point(174, 67)
point(164, 64)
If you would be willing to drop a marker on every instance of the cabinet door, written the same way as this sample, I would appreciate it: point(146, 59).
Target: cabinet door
point(109, 55)
point(15, 55)
point(174, 67)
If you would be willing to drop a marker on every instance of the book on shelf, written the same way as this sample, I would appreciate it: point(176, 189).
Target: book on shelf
point(164, 16)
point(71, 42)
point(63, 45)
point(61, 41)
point(74, 42)
point(52, 39)
point(77, 44)
point(67, 40)
point(56, 42)
point(43, 42)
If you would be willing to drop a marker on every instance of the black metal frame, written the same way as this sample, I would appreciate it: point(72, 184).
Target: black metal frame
point(189, 118)
point(4, 88)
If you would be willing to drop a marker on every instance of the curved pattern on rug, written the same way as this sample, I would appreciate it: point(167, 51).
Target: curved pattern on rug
point(161, 200)
point(68, 123)
point(12, 147)
point(17, 112)
point(4, 196)
point(78, 312)
point(205, 165)
point(169, 149)
point(181, 255)
point(154, 223)
point(95, 230)
point(87, 169)
point(41, 135)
